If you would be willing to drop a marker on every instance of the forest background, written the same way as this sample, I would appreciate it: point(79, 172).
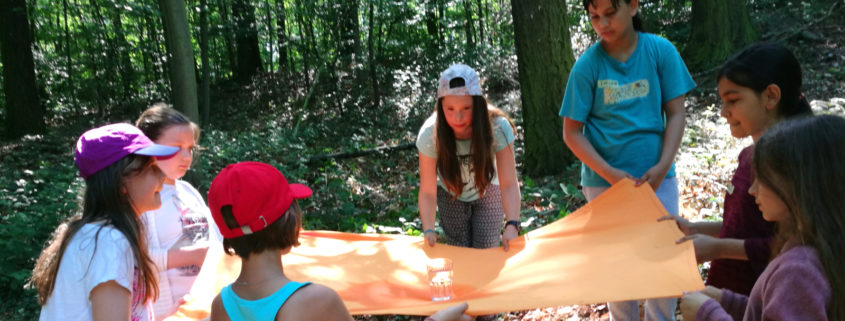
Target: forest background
point(333, 92)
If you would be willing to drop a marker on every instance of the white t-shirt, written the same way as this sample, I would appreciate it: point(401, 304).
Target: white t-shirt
point(83, 268)
point(181, 205)
point(502, 137)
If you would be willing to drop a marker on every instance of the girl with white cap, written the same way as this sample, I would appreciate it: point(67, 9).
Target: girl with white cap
point(467, 166)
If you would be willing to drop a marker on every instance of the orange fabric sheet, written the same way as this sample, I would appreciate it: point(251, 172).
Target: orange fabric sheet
point(611, 249)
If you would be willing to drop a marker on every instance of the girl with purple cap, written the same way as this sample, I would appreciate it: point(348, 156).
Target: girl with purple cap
point(467, 167)
point(96, 267)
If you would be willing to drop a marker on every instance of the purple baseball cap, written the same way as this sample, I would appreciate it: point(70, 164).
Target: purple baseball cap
point(102, 146)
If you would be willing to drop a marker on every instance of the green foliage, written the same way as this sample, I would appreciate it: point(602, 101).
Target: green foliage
point(550, 198)
point(38, 190)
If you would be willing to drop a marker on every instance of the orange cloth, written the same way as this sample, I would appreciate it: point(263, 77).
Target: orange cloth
point(611, 249)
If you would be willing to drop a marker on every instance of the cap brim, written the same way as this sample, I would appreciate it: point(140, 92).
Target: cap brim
point(157, 150)
point(300, 191)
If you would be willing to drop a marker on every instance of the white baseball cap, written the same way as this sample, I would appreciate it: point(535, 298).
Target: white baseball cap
point(459, 80)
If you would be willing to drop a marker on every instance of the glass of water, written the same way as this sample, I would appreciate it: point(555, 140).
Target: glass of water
point(440, 278)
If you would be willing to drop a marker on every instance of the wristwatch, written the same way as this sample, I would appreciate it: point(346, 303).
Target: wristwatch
point(515, 224)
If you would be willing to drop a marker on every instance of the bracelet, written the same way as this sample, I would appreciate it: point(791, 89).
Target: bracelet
point(429, 230)
point(515, 224)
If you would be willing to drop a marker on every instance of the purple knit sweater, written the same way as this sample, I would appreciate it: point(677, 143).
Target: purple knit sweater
point(793, 287)
point(742, 220)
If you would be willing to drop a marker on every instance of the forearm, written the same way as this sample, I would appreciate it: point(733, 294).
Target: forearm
point(427, 206)
point(581, 147)
point(675, 122)
point(705, 227)
point(733, 249)
point(511, 201)
point(185, 256)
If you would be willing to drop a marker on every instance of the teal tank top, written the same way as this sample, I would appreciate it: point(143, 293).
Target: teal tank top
point(264, 309)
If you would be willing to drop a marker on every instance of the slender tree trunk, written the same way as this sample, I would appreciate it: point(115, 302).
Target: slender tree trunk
point(24, 112)
point(281, 27)
point(249, 56)
point(69, 65)
point(371, 55)
point(205, 91)
point(718, 29)
point(304, 44)
point(104, 97)
point(480, 20)
point(545, 58)
point(270, 32)
point(182, 69)
point(127, 73)
point(228, 32)
point(468, 29)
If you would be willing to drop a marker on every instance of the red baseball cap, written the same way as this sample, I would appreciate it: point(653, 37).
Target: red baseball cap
point(258, 193)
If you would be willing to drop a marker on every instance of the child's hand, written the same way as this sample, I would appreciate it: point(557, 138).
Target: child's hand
point(691, 302)
point(706, 246)
point(430, 238)
point(685, 226)
point(713, 292)
point(453, 313)
point(618, 175)
point(509, 233)
point(654, 176)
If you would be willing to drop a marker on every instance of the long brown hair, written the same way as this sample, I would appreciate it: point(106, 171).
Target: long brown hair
point(481, 146)
point(800, 160)
point(103, 201)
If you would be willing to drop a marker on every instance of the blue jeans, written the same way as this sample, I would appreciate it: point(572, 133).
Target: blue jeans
point(655, 309)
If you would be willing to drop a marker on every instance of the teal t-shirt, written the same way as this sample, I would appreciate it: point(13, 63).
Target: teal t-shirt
point(620, 103)
point(502, 137)
point(262, 309)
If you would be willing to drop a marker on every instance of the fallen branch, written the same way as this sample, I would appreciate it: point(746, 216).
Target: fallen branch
point(359, 153)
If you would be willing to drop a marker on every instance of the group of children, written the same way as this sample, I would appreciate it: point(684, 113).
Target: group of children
point(142, 232)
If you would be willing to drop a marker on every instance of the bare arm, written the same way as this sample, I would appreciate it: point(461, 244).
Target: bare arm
point(675, 122)
point(581, 147)
point(218, 313)
point(179, 255)
point(427, 199)
point(109, 301)
point(511, 198)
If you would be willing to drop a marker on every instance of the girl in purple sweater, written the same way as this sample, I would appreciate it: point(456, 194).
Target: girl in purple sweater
point(799, 185)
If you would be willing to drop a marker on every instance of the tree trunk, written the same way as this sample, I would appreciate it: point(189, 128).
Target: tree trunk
point(205, 91)
point(371, 54)
point(69, 65)
point(182, 74)
point(480, 20)
point(718, 29)
point(284, 65)
point(468, 25)
point(228, 32)
point(127, 73)
point(270, 33)
point(545, 58)
point(24, 112)
point(246, 37)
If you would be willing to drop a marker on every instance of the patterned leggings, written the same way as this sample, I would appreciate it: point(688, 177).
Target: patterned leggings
point(477, 224)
